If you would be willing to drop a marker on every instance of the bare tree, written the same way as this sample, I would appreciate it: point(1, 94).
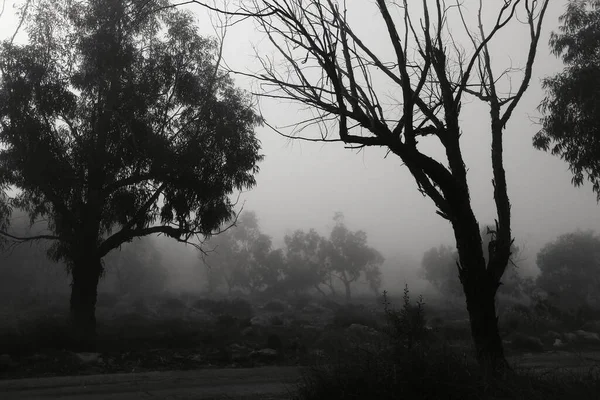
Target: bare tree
point(323, 63)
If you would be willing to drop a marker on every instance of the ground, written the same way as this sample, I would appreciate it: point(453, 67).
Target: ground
point(184, 344)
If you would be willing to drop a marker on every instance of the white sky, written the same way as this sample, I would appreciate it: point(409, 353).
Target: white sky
point(301, 185)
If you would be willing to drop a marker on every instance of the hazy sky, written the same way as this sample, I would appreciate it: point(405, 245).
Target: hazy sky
point(301, 185)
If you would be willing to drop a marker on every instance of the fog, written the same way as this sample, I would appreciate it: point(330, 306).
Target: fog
point(301, 185)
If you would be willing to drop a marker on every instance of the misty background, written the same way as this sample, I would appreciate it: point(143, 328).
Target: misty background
point(301, 185)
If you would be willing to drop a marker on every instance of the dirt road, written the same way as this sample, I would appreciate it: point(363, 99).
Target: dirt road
point(268, 383)
point(265, 383)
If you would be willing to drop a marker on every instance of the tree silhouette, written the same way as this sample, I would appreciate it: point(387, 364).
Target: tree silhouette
point(322, 62)
point(115, 123)
point(571, 120)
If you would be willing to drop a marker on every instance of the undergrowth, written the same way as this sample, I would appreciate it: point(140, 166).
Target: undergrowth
point(416, 364)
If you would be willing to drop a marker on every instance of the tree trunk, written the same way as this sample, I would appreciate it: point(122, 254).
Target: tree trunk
point(480, 287)
point(481, 305)
point(84, 290)
point(348, 291)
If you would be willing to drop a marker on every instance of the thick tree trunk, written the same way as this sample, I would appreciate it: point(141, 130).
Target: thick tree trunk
point(480, 287)
point(84, 290)
point(481, 305)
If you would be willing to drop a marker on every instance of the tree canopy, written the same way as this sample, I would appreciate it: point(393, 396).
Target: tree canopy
point(570, 269)
point(571, 109)
point(116, 121)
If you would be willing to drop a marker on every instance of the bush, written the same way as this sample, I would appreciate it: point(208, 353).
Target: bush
point(432, 373)
point(275, 306)
point(406, 326)
point(347, 315)
point(239, 308)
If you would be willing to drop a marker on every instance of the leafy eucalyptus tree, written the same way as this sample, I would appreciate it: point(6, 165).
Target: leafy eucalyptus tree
point(117, 122)
point(571, 110)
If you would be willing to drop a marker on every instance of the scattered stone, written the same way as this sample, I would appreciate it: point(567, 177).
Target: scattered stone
point(261, 320)
point(553, 335)
point(264, 355)
point(588, 337)
point(199, 358)
point(88, 358)
point(570, 337)
point(527, 343)
point(248, 331)
point(361, 330)
point(592, 326)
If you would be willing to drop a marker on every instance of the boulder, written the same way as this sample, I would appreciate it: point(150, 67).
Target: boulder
point(361, 330)
point(527, 343)
point(88, 358)
point(587, 337)
point(570, 337)
point(264, 355)
point(592, 326)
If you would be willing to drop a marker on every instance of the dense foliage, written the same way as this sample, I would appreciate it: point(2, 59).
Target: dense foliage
point(117, 122)
point(571, 120)
point(570, 269)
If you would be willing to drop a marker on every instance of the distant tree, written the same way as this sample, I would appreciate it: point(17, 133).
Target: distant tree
point(438, 267)
point(265, 265)
point(570, 269)
point(306, 262)
point(136, 269)
point(117, 122)
point(322, 62)
point(244, 257)
point(571, 110)
point(350, 257)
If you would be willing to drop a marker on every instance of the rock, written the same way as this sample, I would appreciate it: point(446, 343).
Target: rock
point(361, 330)
point(587, 337)
point(314, 309)
point(264, 355)
point(570, 337)
point(527, 343)
point(592, 326)
point(248, 331)
point(552, 335)
point(260, 320)
point(88, 358)
point(276, 306)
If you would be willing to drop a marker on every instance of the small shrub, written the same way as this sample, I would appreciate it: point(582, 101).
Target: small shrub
point(347, 315)
point(406, 326)
point(239, 308)
point(275, 306)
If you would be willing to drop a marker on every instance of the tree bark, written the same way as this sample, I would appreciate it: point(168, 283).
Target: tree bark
point(481, 305)
point(84, 290)
point(480, 287)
